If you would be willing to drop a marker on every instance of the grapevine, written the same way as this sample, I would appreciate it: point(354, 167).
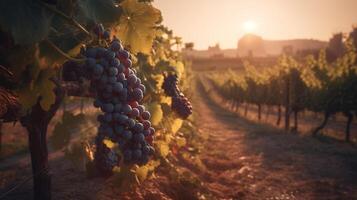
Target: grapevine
point(118, 93)
point(180, 104)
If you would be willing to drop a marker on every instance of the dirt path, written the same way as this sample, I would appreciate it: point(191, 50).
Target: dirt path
point(246, 160)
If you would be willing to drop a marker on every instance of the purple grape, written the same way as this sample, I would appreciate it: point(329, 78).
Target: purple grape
point(108, 108)
point(137, 154)
point(142, 88)
point(141, 108)
point(127, 134)
point(139, 137)
point(138, 94)
point(98, 69)
point(135, 112)
point(116, 46)
point(126, 109)
point(106, 35)
point(117, 107)
point(146, 115)
point(132, 79)
point(112, 71)
point(138, 128)
point(146, 124)
point(115, 62)
point(118, 87)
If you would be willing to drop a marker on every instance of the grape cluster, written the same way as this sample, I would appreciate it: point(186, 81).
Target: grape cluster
point(180, 104)
point(170, 85)
point(100, 32)
point(118, 94)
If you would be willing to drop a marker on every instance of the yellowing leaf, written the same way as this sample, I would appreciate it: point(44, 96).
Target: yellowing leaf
point(142, 173)
point(159, 79)
point(163, 148)
point(153, 164)
point(108, 143)
point(42, 87)
point(165, 99)
point(45, 89)
point(179, 67)
point(167, 138)
point(176, 125)
point(26, 98)
point(156, 113)
point(180, 141)
point(137, 25)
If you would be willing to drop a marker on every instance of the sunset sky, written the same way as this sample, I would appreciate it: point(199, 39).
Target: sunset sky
point(206, 22)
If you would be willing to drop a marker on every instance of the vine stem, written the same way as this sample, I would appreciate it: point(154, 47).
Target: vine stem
point(63, 53)
point(6, 70)
point(66, 17)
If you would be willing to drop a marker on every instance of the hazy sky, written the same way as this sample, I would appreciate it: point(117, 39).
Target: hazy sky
point(206, 22)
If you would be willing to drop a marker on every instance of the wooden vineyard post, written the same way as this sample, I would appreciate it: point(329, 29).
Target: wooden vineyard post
point(287, 104)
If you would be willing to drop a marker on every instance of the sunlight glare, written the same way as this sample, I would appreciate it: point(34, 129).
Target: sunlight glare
point(249, 26)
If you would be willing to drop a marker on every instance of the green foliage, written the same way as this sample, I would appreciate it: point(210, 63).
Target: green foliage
point(25, 20)
point(104, 11)
point(312, 83)
point(46, 35)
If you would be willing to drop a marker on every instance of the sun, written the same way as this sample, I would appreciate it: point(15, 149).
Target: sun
point(249, 26)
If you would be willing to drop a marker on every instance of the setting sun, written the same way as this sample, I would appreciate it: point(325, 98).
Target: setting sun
point(249, 26)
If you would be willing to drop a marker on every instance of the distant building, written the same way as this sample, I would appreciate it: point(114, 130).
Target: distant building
point(251, 46)
point(215, 51)
point(254, 45)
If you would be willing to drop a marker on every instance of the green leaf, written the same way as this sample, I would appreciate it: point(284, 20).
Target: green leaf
point(25, 20)
point(137, 25)
point(103, 11)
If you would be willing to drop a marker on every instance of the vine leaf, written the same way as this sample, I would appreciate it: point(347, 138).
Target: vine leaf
point(42, 87)
point(176, 125)
point(104, 11)
point(144, 171)
point(137, 25)
point(181, 141)
point(179, 67)
point(156, 113)
point(163, 148)
point(25, 20)
point(157, 82)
